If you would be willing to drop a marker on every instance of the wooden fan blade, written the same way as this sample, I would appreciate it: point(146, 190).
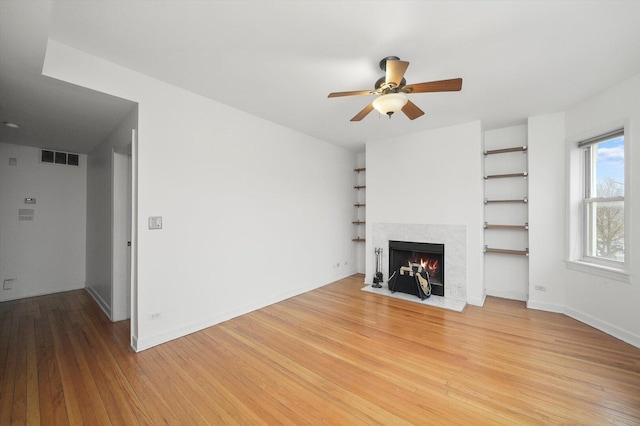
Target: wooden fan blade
point(452, 85)
point(354, 93)
point(395, 71)
point(362, 114)
point(412, 111)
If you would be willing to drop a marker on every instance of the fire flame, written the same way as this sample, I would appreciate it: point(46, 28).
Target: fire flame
point(430, 265)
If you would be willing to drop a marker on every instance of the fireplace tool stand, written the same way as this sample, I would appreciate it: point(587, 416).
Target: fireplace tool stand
point(377, 279)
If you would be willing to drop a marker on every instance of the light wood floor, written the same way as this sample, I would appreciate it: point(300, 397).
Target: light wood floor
point(336, 355)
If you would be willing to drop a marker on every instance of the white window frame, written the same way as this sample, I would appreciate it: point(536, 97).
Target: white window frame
point(587, 176)
point(577, 254)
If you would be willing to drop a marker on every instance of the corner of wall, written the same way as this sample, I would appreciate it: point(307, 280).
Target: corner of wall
point(477, 301)
point(99, 300)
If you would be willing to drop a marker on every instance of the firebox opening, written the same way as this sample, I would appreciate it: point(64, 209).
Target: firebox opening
point(430, 256)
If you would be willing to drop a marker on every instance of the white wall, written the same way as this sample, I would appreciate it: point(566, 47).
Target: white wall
point(252, 212)
point(605, 303)
point(506, 276)
point(46, 255)
point(547, 201)
point(432, 177)
point(99, 212)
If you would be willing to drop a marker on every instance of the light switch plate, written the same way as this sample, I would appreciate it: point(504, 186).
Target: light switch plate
point(155, 222)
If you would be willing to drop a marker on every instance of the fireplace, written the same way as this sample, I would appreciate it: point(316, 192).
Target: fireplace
point(429, 256)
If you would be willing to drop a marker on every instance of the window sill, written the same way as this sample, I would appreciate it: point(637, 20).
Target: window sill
point(599, 270)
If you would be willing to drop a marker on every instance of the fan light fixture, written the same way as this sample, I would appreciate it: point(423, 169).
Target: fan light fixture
point(11, 125)
point(390, 103)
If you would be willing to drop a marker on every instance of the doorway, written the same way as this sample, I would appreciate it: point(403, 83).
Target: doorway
point(121, 246)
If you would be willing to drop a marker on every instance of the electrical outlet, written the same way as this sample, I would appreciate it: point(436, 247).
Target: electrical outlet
point(541, 288)
point(8, 283)
point(155, 316)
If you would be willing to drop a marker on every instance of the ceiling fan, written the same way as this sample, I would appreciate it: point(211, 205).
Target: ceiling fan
point(392, 90)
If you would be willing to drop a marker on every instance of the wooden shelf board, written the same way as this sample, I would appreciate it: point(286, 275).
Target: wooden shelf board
point(506, 251)
point(359, 205)
point(358, 222)
point(359, 186)
point(519, 227)
point(521, 200)
point(507, 175)
point(505, 150)
point(359, 169)
point(358, 239)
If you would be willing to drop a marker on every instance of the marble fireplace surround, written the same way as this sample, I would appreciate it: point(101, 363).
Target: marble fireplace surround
point(454, 238)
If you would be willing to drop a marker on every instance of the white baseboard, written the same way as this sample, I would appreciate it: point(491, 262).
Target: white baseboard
point(134, 343)
point(544, 306)
point(40, 292)
point(507, 294)
point(617, 332)
point(100, 301)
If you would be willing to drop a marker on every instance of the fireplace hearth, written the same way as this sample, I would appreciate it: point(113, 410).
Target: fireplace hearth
point(429, 256)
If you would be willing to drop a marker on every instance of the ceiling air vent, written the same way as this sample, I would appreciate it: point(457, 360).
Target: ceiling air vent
point(57, 157)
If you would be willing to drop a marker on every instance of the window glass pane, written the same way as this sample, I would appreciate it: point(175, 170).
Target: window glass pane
point(608, 173)
point(605, 221)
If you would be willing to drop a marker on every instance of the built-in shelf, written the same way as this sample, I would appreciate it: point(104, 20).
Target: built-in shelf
point(496, 231)
point(360, 218)
point(507, 175)
point(524, 227)
point(504, 150)
point(507, 251)
point(521, 200)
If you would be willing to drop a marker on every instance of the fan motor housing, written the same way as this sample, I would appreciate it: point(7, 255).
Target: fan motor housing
point(383, 62)
point(380, 84)
point(382, 80)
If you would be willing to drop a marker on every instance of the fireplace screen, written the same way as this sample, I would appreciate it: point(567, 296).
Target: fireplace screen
point(429, 256)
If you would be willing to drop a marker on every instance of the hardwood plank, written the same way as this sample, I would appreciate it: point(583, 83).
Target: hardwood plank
point(334, 355)
point(52, 406)
point(247, 381)
point(19, 412)
point(302, 399)
point(42, 361)
point(233, 411)
point(120, 402)
point(33, 395)
point(156, 407)
point(11, 361)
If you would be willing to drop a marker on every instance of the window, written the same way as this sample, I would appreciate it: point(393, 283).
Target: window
point(603, 200)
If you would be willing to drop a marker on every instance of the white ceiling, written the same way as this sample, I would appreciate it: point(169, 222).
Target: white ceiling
point(52, 114)
point(279, 59)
